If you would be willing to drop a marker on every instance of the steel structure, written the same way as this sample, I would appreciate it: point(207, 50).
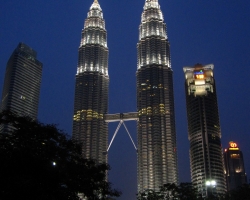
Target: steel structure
point(91, 88)
point(157, 152)
point(121, 118)
point(22, 82)
point(206, 158)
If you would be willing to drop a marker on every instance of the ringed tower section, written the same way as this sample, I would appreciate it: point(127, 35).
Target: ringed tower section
point(157, 152)
point(91, 87)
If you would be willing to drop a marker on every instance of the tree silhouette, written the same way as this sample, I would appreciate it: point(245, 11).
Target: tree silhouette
point(184, 191)
point(38, 161)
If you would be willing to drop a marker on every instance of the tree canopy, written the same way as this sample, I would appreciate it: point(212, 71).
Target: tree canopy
point(184, 191)
point(38, 161)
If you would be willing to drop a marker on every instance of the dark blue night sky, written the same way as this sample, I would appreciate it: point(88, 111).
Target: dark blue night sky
point(199, 31)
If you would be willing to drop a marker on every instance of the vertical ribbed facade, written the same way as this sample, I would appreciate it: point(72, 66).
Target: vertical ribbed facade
point(22, 82)
point(206, 158)
point(157, 152)
point(91, 88)
point(235, 169)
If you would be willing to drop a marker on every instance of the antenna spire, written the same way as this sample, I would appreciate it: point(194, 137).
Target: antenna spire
point(95, 5)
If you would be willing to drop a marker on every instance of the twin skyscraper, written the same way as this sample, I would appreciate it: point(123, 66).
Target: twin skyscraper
point(155, 115)
point(157, 152)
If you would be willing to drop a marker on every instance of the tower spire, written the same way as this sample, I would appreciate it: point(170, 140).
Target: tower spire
point(151, 4)
point(95, 5)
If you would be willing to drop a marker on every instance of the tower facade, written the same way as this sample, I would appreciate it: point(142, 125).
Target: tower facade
point(157, 153)
point(235, 169)
point(91, 87)
point(22, 82)
point(204, 134)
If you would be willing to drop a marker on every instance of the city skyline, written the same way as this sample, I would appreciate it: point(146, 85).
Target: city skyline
point(199, 32)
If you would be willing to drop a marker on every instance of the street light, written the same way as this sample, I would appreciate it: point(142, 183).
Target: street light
point(211, 184)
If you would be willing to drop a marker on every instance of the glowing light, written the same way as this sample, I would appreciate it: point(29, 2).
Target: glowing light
point(234, 149)
point(233, 145)
point(199, 76)
point(211, 183)
point(208, 183)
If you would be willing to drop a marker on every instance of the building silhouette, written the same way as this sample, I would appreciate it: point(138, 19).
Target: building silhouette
point(204, 133)
point(22, 82)
point(157, 152)
point(235, 169)
point(91, 88)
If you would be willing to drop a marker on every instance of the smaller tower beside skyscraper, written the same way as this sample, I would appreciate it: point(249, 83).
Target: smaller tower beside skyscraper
point(204, 134)
point(234, 164)
point(22, 82)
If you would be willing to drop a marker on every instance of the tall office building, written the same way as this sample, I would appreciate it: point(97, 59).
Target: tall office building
point(91, 87)
point(22, 82)
point(157, 153)
point(204, 134)
point(235, 170)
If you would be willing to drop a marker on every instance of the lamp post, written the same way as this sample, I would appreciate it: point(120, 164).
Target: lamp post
point(210, 184)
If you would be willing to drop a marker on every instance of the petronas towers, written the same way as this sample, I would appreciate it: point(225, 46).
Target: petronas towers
point(157, 156)
point(91, 87)
point(156, 147)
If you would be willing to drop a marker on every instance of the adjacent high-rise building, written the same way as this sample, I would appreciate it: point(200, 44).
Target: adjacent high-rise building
point(204, 133)
point(157, 152)
point(91, 88)
point(235, 170)
point(22, 82)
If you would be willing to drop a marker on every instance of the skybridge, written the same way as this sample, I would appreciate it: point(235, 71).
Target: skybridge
point(121, 118)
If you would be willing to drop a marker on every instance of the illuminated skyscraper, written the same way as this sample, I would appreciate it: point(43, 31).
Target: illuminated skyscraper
point(157, 153)
point(206, 158)
point(235, 170)
point(91, 87)
point(22, 82)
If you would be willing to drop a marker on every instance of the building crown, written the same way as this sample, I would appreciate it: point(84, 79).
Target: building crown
point(95, 11)
point(95, 5)
point(151, 4)
point(152, 10)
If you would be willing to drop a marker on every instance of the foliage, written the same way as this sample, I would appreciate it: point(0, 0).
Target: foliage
point(184, 191)
point(39, 162)
point(149, 195)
